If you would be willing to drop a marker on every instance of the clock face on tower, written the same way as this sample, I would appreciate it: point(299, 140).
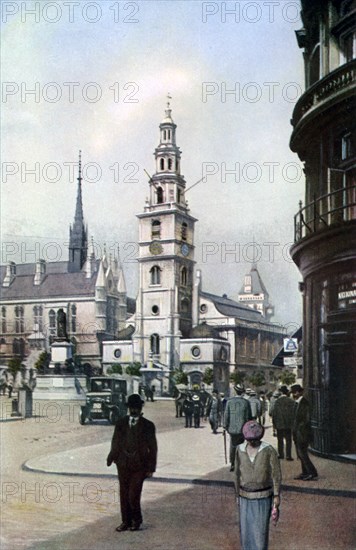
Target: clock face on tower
point(184, 249)
point(156, 248)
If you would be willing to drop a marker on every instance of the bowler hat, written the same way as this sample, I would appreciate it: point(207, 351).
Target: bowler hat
point(252, 430)
point(284, 390)
point(134, 401)
point(296, 387)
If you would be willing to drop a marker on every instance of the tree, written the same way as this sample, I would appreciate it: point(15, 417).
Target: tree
point(208, 376)
point(237, 377)
point(14, 366)
point(287, 378)
point(180, 377)
point(43, 361)
point(133, 369)
point(257, 379)
point(115, 369)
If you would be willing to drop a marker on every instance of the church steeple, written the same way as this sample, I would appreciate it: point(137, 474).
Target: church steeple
point(78, 233)
point(167, 185)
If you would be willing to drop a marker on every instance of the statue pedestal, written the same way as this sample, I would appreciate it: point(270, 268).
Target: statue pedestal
point(60, 353)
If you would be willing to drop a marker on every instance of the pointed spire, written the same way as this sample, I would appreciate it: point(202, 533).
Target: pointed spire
point(78, 233)
point(79, 206)
point(101, 280)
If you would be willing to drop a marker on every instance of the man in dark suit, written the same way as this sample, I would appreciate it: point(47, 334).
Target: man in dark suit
point(134, 451)
point(283, 419)
point(302, 433)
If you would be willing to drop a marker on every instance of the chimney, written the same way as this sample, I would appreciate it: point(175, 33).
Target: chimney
point(10, 274)
point(40, 272)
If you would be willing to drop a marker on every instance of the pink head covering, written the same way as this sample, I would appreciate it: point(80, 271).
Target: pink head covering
point(252, 430)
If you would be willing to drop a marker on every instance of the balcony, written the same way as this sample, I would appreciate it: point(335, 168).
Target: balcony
point(330, 210)
point(340, 81)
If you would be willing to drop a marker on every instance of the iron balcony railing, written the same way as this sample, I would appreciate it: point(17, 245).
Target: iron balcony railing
point(338, 80)
point(332, 209)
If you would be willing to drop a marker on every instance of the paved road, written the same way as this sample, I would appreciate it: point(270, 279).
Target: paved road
point(189, 505)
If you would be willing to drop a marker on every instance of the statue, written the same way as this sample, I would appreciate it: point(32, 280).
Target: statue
point(62, 325)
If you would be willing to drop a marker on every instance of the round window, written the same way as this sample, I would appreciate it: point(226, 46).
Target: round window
point(196, 351)
point(155, 310)
point(203, 308)
point(117, 353)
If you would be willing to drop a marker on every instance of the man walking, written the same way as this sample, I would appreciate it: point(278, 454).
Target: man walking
point(237, 412)
point(134, 451)
point(302, 433)
point(213, 411)
point(283, 418)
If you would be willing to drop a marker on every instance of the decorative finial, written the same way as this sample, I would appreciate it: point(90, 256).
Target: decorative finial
point(169, 97)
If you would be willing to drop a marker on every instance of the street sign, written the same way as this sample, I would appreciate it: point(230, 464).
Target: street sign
point(290, 344)
point(290, 361)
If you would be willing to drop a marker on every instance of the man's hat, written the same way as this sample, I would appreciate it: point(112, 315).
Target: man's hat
point(284, 390)
point(196, 397)
point(134, 401)
point(252, 392)
point(252, 430)
point(296, 387)
point(239, 388)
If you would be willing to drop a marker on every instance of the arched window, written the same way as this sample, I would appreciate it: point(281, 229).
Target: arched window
point(164, 134)
point(156, 229)
point(183, 276)
point(169, 134)
point(170, 164)
point(154, 341)
point(179, 195)
point(155, 275)
point(184, 231)
point(159, 195)
point(161, 164)
point(19, 319)
point(37, 318)
point(73, 311)
point(3, 320)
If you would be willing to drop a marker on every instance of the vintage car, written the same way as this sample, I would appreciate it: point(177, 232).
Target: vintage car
point(106, 399)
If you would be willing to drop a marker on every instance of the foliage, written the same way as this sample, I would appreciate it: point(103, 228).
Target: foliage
point(287, 378)
point(180, 377)
point(133, 369)
point(257, 379)
point(115, 369)
point(237, 377)
point(14, 366)
point(208, 376)
point(43, 361)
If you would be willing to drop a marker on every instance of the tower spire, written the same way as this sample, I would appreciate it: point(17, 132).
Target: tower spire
point(78, 238)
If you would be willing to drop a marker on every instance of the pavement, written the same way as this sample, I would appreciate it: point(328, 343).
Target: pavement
point(200, 508)
point(190, 502)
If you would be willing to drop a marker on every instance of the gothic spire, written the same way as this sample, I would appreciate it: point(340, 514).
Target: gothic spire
point(78, 237)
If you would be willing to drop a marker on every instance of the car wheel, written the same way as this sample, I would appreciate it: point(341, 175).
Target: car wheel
point(82, 417)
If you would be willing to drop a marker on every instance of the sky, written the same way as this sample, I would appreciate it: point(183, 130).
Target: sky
point(94, 76)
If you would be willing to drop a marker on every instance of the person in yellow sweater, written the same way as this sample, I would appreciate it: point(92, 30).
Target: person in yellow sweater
point(257, 481)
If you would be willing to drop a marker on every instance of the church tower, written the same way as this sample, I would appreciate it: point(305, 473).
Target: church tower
point(78, 233)
point(166, 256)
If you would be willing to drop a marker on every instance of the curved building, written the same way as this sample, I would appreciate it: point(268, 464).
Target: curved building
point(324, 136)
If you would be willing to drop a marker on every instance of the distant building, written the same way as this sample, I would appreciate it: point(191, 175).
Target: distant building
point(176, 324)
point(254, 294)
point(91, 292)
point(324, 136)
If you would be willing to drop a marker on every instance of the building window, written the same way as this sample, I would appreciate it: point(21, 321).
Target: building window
point(248, 283)
point(179, 196)
point(3, 320)
point(196, 352)
point(177, 165)
point(170, 164)
point(52, 323)
point(117, 353)
point(19, 319)
point(348, 46)
point(169, 134)
point(37, 318)
point(159, 195)
point(155, 310)
point(203, 308)
point(155, 275)
point(156, 229)
point(161, 164)
point(154, 340)
point(18, 347)
point(73, 311)
point(314, 66)
point(164, 135)
point(184, 231)
point(184, 276)
point(184, 305)
point(346, 146)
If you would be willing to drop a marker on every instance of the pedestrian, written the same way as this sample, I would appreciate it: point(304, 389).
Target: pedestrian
point(134, 451)
point(302, 434)
point(196, 409)
point(237, 412)
point(272, 401)
point(213, 411)
point(264, 408)
point(283, 418)
point(255, 404)
point(188, 411)
point(257, 481)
